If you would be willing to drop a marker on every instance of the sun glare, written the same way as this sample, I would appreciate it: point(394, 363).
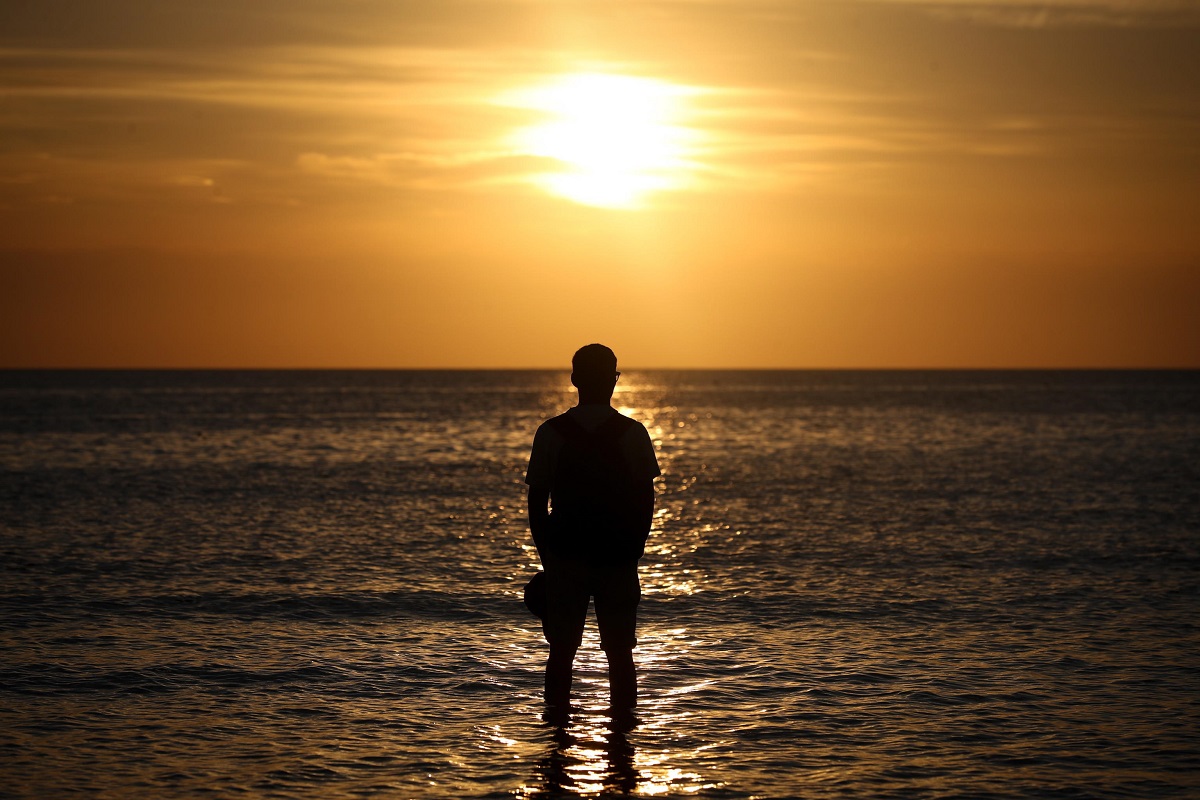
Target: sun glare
point(618, 137)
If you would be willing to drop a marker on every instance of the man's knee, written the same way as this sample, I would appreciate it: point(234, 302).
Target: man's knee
point(618, 628)
point(618, 644)
point(562, 634)
point(563, 652)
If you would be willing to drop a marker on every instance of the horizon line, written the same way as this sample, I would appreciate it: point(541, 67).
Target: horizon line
point(566, 368)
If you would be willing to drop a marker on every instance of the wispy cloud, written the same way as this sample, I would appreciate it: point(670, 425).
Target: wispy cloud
point(118, 122)
point(1066, 13)
point(278, 101)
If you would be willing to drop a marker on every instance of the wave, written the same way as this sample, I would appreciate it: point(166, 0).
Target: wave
point(24, 610)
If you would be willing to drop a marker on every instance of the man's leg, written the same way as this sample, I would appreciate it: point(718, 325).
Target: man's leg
point(566, 611)
point(617, 595)
point(622, 679)
point(559, 668)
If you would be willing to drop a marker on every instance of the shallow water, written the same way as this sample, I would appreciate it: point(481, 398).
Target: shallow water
point(275, 584)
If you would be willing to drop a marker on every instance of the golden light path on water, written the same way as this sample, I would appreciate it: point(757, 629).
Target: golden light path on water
point(616, 138)
point(592, 757)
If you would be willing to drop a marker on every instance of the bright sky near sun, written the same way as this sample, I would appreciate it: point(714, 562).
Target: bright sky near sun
point(697, 183)
point(612, 139)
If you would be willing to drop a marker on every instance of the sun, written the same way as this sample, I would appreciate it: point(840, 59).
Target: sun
point(618, 138)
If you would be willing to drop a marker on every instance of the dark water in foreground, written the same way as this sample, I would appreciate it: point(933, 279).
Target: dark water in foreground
point(305, 585)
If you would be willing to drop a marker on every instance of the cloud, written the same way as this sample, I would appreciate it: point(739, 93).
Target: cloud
point(422, 171)
point(278, 101)
point(1066, 13)
point(121, 123)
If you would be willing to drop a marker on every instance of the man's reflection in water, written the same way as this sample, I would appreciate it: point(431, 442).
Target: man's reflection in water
point(620, 774)
point(556, 780)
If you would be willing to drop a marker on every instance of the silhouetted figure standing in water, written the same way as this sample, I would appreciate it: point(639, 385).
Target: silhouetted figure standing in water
point(595, 468)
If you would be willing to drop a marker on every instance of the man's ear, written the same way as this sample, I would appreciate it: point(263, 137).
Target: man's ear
point(573, 382)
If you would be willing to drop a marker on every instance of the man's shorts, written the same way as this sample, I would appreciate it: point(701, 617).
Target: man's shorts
point(569, 586)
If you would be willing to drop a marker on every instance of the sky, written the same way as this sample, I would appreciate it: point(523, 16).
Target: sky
point(696, 183)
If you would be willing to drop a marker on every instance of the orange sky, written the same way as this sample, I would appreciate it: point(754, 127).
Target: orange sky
point(309, 183)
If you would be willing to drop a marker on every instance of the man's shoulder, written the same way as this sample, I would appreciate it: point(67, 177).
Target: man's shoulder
point(555, 424)
point(629, 425)
point(631, 421)
point(549, 429)
point(629, 428)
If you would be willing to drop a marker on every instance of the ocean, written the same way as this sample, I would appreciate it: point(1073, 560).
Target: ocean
point(275, 584)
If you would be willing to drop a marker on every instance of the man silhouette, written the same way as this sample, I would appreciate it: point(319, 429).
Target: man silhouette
point(595, 468)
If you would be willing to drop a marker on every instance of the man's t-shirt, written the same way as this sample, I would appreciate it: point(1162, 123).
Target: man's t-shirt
point(577, 457)
point(548, 442)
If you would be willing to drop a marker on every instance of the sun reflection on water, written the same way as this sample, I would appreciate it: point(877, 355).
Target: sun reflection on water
point(596, 756)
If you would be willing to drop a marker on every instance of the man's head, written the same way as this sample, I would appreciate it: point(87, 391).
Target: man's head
point(594, 371)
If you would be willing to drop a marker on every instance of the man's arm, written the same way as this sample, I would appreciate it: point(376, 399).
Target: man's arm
point(539, 514)
point(645, 504)
point(639, 450)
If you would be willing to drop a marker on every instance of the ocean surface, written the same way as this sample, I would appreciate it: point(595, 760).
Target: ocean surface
point(859, 585)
